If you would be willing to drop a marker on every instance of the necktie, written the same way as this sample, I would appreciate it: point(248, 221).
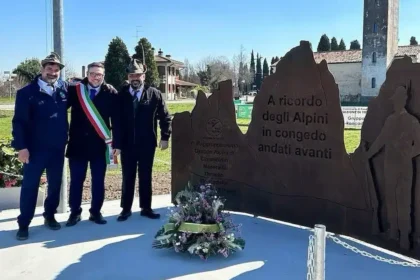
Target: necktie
point(92, 93)
point(135, 101)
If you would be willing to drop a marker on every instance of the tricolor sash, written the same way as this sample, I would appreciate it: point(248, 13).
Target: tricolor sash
point(96, 120)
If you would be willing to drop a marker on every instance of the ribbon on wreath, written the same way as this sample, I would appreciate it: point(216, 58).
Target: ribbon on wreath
point(195, 228)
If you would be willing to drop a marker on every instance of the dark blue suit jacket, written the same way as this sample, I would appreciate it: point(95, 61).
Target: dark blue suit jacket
point(40, 121)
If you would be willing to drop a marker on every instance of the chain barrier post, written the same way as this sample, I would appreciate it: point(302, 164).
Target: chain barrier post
point(320, 236)
point(62, 207)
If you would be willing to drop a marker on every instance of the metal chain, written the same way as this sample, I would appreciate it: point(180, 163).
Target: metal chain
point(366, 254)
point(311, 260)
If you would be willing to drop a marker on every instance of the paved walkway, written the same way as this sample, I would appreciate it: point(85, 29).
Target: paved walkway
point(123, 250)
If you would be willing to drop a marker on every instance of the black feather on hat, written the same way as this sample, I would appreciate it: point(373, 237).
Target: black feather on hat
point(136, 67)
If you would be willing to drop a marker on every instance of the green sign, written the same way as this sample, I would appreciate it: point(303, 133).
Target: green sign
point(244, 111)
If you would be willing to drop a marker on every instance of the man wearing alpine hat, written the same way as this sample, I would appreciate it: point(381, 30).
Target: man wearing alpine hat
point(39, 129)
point(141, 107)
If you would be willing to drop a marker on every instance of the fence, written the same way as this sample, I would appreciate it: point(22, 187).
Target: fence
point(353, 114)
point(316, 253)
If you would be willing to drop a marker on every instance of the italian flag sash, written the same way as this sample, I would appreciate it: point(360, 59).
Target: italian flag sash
point(96, 120)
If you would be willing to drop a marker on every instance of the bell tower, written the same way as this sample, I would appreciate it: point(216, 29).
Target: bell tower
point(380, 43)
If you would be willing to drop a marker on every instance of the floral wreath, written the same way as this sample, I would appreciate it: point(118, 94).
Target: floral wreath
point(198, 225)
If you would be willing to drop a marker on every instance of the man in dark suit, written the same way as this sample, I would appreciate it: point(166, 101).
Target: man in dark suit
point(93, 109)
point(39, 132)
point(141, 107)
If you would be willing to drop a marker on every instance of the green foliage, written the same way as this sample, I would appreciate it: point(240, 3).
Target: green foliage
point(252, 68)
point(334, 44)
point(9, 163)
point(152, 75)
point(258, 75)
point(27, 70)
point(116, 62)
point(266, 70)
point(324, 44)
point(413, 41)
point(202, 88)
point(342, 46)
point(355, 45)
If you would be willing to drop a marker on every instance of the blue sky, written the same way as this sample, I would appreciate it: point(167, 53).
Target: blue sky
point(184, 28)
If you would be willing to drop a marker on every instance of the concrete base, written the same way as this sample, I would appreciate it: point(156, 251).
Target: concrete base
point(10, 198)
point(123, 250)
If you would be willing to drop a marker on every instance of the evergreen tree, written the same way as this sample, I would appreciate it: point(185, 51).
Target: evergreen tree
point(272, 60)
point(334, 44)
point(355, 45)
point(324, 44)
point(413, 41)
point(116, 62)
point(258, 76)
point(152, 75)
point(277, 59)
point(27, 70)
point(266, 70)
point(342, 46)
point(252, 67)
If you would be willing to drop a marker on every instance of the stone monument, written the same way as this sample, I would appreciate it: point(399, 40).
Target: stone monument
point(292, 164)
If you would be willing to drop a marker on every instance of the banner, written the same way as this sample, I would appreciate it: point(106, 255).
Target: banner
point(353, 116)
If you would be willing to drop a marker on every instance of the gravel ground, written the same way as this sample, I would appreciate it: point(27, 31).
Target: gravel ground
point(161, 185)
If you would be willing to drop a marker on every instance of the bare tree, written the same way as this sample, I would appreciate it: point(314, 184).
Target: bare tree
point(69, 71)
point(213, 70)
point(239, 62)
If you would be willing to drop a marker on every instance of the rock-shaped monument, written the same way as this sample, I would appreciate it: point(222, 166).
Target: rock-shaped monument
point(292, 164)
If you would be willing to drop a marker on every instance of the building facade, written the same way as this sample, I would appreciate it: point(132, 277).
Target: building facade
point(361, 73)
point(168, 69)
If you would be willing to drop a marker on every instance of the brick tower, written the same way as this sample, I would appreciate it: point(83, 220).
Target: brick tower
point(380, 43)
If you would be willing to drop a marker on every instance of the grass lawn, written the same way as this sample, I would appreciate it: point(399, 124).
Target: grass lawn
point(163, 158)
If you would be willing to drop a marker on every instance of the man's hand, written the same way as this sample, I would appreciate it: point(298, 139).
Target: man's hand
point(111, 88)
point(116, 152)
point(23, 156)
point(163, 145)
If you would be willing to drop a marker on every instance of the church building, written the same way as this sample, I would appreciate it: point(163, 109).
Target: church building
point(360, 73)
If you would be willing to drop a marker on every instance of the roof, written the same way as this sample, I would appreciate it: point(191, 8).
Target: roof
point(165, 59)
point(185, 83)
point(351, 56)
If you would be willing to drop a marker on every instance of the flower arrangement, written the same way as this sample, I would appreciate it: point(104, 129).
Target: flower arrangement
point(11, 169)
point(198, 225)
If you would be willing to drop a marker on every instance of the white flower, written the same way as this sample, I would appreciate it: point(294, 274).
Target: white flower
point(205, 250)
point(177, 244)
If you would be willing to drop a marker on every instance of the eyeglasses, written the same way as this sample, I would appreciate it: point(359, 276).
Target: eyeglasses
point(96, 75)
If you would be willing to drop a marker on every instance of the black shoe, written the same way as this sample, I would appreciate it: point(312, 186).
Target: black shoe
point(124, 216)
point(97, 219)
point(22, 233)
point(51, 223)
point(150, 214)
point(73, 220)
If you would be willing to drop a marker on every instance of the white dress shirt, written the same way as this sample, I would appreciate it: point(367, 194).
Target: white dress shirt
point(138, 92)
point(95, 88)
point(47, 87)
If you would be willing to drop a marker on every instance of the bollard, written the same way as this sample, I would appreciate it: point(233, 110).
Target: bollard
point(62, 207)
point(319, 256)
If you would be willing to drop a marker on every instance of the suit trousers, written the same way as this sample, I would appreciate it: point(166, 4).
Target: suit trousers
point(52, 161)
point(137, 161)
point(78, 170)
